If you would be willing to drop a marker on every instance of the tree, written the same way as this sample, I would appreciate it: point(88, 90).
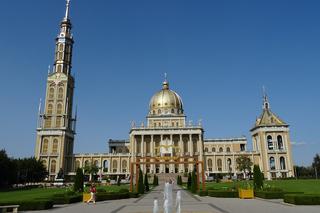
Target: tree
point(91, 170)
point(257, 178)
point(189, 181)
point(244, 164)
point(316, 164)
point(194, 182)
point(118, 180)
point(8, 170)
point(140, 183)
point(78, 181)
point(146, 183)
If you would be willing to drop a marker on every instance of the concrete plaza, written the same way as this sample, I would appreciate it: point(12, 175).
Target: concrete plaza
point(190, 204)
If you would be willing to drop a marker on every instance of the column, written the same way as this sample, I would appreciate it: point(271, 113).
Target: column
point(152, 146)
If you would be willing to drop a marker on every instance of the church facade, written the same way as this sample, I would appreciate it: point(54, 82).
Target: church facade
point(166, 137)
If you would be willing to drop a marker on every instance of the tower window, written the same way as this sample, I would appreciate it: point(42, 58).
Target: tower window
point(60, 47)
point(53, 166)
point(50, 107)
point(282, 163)
point(44, 148)
point(51, 92)
point(58, 122)
point(60, 93)
point(47, 123)
point(59, 108)
point(280, 142)
point(272, 163)
point(55, 146)
point(59, 68)
point(270, 142)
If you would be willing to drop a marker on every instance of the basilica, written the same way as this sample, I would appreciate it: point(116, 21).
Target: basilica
point(166, 143)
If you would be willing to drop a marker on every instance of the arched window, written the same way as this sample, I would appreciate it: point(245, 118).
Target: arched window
point(44, 148)
point(106, 166)
point(213, 149)
point(60, 47)
point(172, 111)
point(53, 166)
point(282, 163)
point(155, 124)
point(124, 164)
point(114, 166)
point(60, 93)
point(270, 143)
point(50, 107)
point(220, 149)
point(153, 112)
point(206, 149)
point(229, 164)
point(77, 164)
point(58, 122)
point(96, 163)
point(159, 111)
point(219, 164)
point(86, 163)
point(210, 164)
point(272, 163)
point(228, 149)
point(177, 124)
point(59, 109)
point(47, 123)
point(55, 146)
point(280, 142)
point(51, 92)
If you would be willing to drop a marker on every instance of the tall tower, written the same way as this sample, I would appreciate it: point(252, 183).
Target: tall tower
point(56, 125)
point(271, 139)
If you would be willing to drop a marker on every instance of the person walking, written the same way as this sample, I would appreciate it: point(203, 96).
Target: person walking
point(93, 191)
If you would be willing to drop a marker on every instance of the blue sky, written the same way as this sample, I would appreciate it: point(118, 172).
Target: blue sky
point(218, 55)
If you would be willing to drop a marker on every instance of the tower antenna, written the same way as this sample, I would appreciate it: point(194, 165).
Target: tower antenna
point(66, 17)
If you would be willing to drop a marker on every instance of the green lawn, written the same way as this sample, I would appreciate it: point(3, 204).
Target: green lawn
point(306, 186)
point(31, 194)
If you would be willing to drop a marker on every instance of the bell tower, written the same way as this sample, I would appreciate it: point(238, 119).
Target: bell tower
point(56, 123)
point(271, 139)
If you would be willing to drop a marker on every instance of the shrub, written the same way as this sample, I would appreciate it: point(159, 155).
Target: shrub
point(302, 199)
point(146, 183)
point(194, 182)
point(257, 178)
point(26, 205)
point(189, 181)
point(123, 190)
point(219, 193)
point(140, 183)
point(101, 190)
point(78, 181)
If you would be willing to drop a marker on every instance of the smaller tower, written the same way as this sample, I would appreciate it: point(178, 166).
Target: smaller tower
point(270, 137)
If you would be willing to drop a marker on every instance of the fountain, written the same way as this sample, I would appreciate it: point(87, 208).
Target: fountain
point(168, 200)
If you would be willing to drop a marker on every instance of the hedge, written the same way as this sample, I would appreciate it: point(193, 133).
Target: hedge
point(203, 193)
point(220, 193)
point(273, 194)
point(25, 205)
point(302, 199)
point(66, 198)
point(111, 196)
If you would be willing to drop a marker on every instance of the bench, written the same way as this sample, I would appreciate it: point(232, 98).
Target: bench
point(3, 209)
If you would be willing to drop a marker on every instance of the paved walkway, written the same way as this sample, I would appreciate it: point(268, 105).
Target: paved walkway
point(190, 204)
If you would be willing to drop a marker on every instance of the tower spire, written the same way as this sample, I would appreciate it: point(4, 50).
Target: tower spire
point(266, 104)
point(66, 17)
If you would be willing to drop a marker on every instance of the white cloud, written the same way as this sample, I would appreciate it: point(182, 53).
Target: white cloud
point(295, 143)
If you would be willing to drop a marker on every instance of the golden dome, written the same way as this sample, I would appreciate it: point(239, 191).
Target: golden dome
point(166, 102)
